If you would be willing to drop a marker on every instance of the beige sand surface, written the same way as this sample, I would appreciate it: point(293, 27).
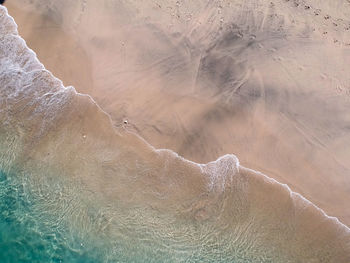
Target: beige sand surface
point(266, 81)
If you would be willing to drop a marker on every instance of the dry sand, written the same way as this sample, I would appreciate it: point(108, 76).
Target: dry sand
point(266, 81)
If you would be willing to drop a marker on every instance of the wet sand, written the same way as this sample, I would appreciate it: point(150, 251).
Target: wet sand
point(269, 85)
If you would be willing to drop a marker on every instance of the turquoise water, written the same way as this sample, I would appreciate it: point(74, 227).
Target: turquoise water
point(34, 227)
point(28, 234)
point(53, 222)
point(31, 231)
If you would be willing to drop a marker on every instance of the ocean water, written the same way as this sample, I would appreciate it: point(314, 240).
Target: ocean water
point(29, 234)
point(34, 230)
point(74, 188)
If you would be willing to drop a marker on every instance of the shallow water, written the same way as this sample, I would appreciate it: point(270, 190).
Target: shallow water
point(29, 234)
point(77, 186)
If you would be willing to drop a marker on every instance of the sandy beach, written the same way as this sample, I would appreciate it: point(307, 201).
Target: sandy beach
point(268, 84)
point(174, 131)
